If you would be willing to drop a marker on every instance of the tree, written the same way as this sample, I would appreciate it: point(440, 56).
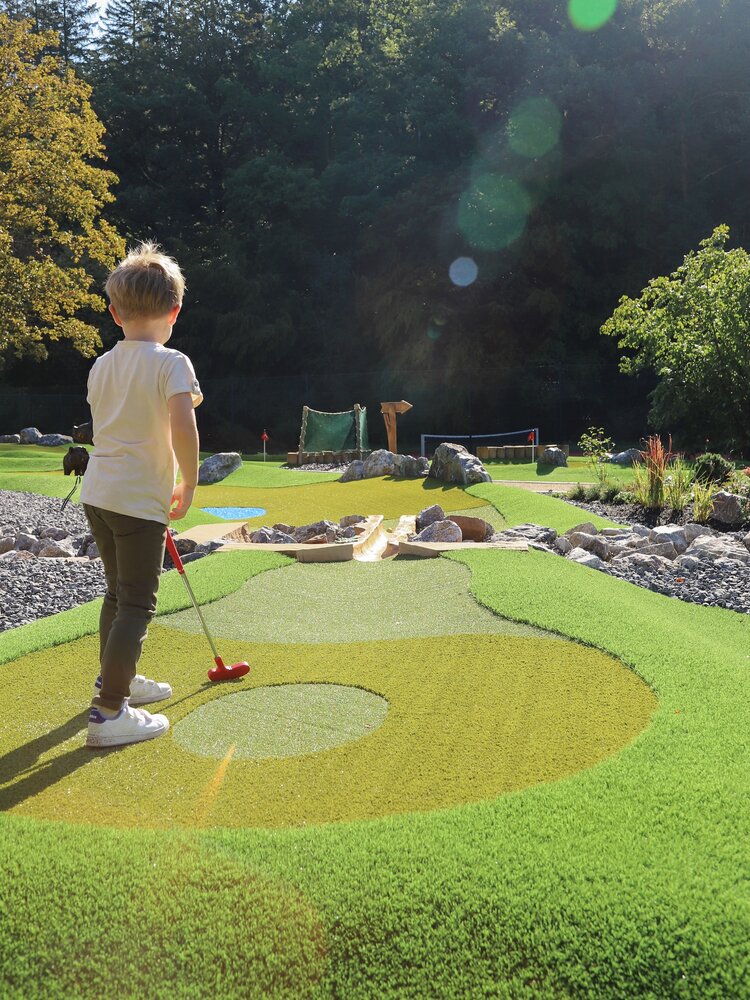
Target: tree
point(52, 233)
point(73, 20)
point(693, 329)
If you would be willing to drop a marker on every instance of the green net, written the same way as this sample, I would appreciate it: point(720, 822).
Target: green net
point(333, 431)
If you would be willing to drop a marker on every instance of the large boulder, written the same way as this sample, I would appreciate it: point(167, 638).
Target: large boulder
point(54, 440)
point(671, 533)
point(10, 438)
point(440, 531)
point(624, 457)
point(379, 463)
point(409, 467)
point(353, 472)
point(554, 456)
point(218, 467)
point(306, 532)
point(30, 435)
point(728, 508)
point(269, 536)
point(712, 547)
point(452, 463)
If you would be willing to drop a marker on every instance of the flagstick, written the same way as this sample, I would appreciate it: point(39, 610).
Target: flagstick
point(264, 451)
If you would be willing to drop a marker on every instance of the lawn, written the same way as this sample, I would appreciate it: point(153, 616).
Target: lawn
point(553, 805)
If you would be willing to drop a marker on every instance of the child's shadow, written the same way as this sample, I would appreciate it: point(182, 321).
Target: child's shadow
point(38, 776)
point(41, 775)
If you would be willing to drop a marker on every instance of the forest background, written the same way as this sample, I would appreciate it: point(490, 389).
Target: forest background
point(440, 200)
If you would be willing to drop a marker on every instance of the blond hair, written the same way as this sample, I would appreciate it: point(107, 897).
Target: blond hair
point(145, 284)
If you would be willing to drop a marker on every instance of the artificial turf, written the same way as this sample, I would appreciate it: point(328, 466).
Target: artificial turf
point(628, 879)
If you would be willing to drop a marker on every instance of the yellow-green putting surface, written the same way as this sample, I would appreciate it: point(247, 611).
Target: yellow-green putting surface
point(282, 720)
point(470, 717)
point(351, 602)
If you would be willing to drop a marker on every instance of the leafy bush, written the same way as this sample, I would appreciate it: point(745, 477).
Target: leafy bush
point(609, 492)
point(592, 493)
point(712, 468)
point(577, 492)
point(624, 496)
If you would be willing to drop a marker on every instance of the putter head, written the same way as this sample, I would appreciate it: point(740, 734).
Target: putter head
point(222, 672)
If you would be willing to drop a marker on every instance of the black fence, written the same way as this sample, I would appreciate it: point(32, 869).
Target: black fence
point(561, 400)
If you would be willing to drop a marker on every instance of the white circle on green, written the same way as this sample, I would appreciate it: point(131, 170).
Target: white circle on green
point(281, 720)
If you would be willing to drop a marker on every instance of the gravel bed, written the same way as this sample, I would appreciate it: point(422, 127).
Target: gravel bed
point(36, 588)
point(723, 586)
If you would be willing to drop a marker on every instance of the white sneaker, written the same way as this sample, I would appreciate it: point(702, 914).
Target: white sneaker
point(131, 725)
point(143, 691)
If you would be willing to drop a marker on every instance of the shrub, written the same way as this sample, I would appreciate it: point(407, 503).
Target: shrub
point(677, 485)
point(592, 493)
point(712, 468)
point(624, 496)
point(703, 506)
point(609, 492)
point(577, 492)
point(640, 484)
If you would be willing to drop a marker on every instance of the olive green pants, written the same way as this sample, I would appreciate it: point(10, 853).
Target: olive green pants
point(132, 550)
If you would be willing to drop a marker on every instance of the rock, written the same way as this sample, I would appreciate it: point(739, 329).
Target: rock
point(54, 440)
point(692, 531)
point(25, 542)
point(347, 532)
point(581, 539)
point(270, 537)
point(51, 550)
point(563, 545)
point(317, 540)
point(93, 551)
point(356, 470)
point(670, 533)
point(10, 438)
point(308, 531)
point(711, 548)
point(452, 463)
point(728, 508)
point(428, 515)
point(587, 528)
point(185, 546)
point(286, 528)
point(688, 563)
point(409, 467)
point(637, 560)
point(473, 529)
point(439, 531)
point(555, 457)
point(624, 457)
point(585, 558)
point(7, 544)
point(641, 529)
point(54, 533)
point(664, 549)
point(349, 519)
point(17, 554)
point(746, 541)
point(379, 463)
point(218, 467)
point(30, 435)
point(615, 532)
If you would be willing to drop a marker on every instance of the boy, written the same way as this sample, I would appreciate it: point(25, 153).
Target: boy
point(142, 396)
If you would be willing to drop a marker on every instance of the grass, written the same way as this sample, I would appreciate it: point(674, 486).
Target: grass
point(578, 471)
point(627, 879)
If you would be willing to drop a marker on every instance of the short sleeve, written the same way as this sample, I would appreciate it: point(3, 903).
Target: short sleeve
point(178, 375)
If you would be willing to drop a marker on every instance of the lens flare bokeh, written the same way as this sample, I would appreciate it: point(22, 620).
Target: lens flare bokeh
point(589, 15)
point(493, 212)
point(534, 127)
point(463, 271)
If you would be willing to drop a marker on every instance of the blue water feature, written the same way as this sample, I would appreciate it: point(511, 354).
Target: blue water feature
point(235, 513)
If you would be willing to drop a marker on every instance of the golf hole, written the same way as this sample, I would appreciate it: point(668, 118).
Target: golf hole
point(282, 720)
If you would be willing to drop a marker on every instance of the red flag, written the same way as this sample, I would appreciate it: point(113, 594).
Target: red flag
point(264, 436)
point(531, 438)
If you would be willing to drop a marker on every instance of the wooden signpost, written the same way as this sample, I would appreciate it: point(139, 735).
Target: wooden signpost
point(390, 411)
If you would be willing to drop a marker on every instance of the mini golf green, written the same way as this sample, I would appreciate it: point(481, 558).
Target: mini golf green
point(469, 718)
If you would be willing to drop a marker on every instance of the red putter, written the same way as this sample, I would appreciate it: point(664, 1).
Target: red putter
point(221, 672)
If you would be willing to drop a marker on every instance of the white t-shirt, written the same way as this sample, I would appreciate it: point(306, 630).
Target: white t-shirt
point(132, 469)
